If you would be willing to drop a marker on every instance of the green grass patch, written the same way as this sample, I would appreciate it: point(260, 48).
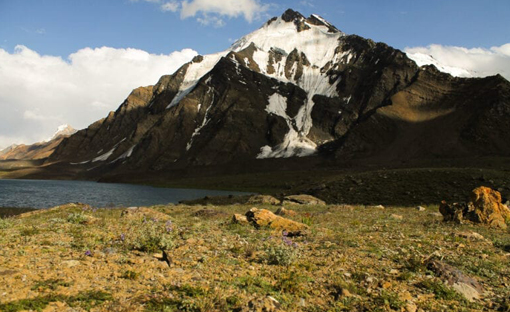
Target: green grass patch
point(86, 300)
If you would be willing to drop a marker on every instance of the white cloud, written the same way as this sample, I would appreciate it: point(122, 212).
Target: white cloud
point(307, 3)
point(172, 6)
point(213, 12)
point(211, 20)
point(250, 9)
point(464, 62)
point(40, 92)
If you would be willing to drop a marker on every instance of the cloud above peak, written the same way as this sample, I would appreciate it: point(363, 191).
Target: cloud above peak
point(213, 12)
point(249, 9)
point(464, 62)
point(40, 92)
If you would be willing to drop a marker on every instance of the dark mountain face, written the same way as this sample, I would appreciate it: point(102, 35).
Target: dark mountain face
point(297, 87)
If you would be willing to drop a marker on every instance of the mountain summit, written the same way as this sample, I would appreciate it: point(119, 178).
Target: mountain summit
point(296, 87)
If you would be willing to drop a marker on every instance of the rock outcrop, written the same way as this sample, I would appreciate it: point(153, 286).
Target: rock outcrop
point(302, 200)
point(263, 200)
point(485, 207)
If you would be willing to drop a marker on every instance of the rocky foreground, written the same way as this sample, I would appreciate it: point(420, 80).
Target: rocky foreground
point(305, 257)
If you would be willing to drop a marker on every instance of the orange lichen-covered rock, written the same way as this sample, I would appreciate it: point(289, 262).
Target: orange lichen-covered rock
point(239, 219)
point(285, 212)
point(487, 207)
point(264, 217)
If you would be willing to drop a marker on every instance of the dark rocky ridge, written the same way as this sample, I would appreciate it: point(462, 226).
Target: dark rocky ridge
point(387, 109)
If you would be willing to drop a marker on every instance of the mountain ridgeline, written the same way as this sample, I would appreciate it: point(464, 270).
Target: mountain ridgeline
point(296, 87)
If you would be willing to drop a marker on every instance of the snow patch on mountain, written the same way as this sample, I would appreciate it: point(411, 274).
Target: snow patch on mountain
point(105, 156)
point(293, 144)
point(194, 73)
point(277, 105)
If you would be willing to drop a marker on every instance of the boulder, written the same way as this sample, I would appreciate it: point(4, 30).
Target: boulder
point(453, 277)
point(485, 207)
point(302, 200)
point(285, 212)
point(263, 200)
point(265, 218)
point(141, 212)
point(488, 208)
point(453, 212)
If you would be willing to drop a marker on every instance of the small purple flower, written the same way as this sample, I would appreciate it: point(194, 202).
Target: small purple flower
point(154, 220)
point(287, 241)
point(88, 253)
point(285, 233)
point(169, 226)
point(122, 237)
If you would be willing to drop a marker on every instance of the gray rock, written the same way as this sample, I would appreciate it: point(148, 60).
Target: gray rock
point(463, 284)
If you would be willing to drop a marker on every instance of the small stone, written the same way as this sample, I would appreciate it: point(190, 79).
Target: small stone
point(347, 274)
point(302, 302)
point(178, 270)
point(394, 272)
point(386, 285)
point(411, 307)
point(346, 293)
point(471, 236)
point(380, 207)
point(71, 263)
point(396, 217)
point(421, 208)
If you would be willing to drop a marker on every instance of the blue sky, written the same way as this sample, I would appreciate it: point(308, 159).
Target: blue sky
point(73, 61)
point(61, 27)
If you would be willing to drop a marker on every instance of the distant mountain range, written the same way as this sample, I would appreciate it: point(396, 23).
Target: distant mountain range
point(296, 87)
point(40, 150)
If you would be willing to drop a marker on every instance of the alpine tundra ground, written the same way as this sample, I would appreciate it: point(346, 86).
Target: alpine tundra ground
point(353, 258)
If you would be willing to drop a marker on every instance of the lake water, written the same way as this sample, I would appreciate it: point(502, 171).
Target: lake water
point(50, 193)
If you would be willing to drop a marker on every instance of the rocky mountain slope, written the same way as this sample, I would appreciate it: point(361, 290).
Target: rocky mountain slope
point(296, 87)
point(38, 150)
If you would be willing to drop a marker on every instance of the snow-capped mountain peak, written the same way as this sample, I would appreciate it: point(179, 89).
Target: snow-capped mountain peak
point(289, 48)
point(64, 129)
point(314, 36)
